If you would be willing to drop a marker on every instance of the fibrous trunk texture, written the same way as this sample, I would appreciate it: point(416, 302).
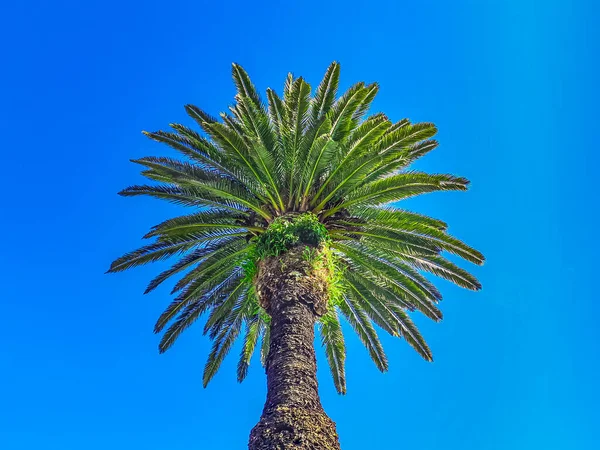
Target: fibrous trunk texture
point(293, 418)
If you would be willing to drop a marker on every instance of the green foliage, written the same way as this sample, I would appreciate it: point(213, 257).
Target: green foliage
point(332, 338)
point(316, 171)
point(284, 233)
point(324, 260)
point(250, 265)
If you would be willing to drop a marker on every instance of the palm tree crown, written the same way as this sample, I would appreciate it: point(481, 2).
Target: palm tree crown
point(298, 169)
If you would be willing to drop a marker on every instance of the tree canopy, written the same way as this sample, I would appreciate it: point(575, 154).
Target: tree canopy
point(270, 174)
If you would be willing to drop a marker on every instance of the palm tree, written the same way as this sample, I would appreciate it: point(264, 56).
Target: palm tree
point(292, 226)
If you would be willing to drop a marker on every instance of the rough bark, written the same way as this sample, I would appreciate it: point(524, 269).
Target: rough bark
point(294, 295)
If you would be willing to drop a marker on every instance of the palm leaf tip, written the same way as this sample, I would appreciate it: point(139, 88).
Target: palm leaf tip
point(199, 116)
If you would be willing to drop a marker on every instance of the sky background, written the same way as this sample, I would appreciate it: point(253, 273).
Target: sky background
point(512, 88)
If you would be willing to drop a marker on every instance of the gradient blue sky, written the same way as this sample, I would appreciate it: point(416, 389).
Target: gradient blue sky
point(512, 87)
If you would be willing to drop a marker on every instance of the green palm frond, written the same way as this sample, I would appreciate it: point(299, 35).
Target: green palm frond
point(382, 306)
point(203, 220)
point(343, 110)
point(188, 261)
point(224, 339)
point(296, 105)
point(399, 187)
point(347, 170)
point(200, 291)
point(359, 320)
point(199, 115)
point(265, 147)
point(443, 268)
point(411, 294)
point(332, 339)
point(193, 311)
point(264, 161)
point(226, 258)
point(277, 116)
point(168, 247)
point(325, 93)
point(244, 85)
point(254, 329)
point(395, 217)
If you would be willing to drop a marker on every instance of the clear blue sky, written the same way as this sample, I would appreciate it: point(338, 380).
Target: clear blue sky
point(512, 86)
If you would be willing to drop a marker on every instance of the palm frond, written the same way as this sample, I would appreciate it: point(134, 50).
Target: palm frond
point(332, 340)
point(207, 219)
point(191, 313)
point(296, 104)
point(200, 116)
point(387, 313)
point(325, 94)
point(223, 341)
point(188, 261)
point(226, 257)
point(203, 280)
point(257, 121)
point(343, 110)
point(244, 84)
point(346, 168)
point(363, 327)
point(235, 146)
point(410, 293)
point(395, 217)
point(443, 268)
point(400, 187)
point(166, 248)
point(254, 329)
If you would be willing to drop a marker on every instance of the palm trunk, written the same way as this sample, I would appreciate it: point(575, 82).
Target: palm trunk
point(293, 417)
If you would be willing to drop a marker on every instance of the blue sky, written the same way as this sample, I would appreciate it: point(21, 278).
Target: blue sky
point(511, 86)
